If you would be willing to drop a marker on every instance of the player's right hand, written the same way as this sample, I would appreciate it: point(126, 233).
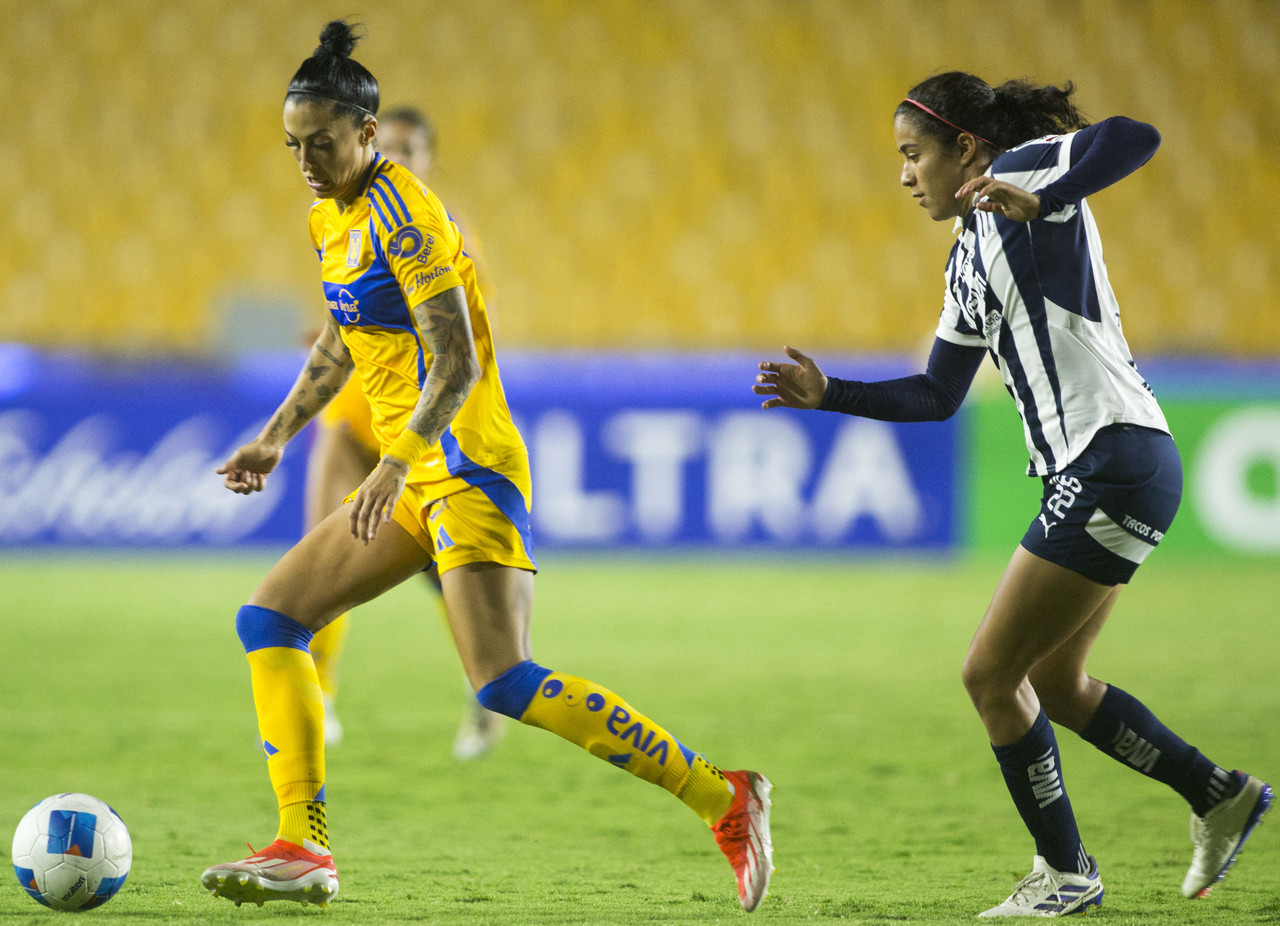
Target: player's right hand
point(246, 470)
point(376, 498)
point(791, 385)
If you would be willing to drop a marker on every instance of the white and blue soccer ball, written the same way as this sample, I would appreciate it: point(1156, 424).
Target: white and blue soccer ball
point(72, 852)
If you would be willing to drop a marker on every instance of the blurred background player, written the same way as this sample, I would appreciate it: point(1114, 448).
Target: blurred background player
point(452, 487)
point(345, 450)
point(1011, 167)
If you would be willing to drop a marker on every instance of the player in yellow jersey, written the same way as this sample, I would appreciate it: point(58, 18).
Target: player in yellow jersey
point(452, 487)
point(345, 450)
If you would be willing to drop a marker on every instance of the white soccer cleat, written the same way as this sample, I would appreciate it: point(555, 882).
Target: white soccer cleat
point(743, 836)
point(1218, 836)
point(281, 871)
point(481, 729)
point(1049, 892)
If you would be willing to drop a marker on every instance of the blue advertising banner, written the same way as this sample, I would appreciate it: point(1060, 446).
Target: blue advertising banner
point(628, 451)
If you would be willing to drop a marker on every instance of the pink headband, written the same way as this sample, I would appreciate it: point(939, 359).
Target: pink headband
point(920, 105)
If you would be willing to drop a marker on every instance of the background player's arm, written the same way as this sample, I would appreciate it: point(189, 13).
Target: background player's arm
point(444, 324)
point(326, 371)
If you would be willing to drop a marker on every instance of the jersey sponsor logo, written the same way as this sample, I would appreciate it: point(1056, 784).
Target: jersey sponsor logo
point(355, 246)
point(991, 325)
point(970, 288)
point(425, 277)
point(408, 242)
point(346, 306)
point(1134, 526)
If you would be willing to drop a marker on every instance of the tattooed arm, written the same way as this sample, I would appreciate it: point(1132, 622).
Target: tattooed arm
point(444, 324)
point(327, 369)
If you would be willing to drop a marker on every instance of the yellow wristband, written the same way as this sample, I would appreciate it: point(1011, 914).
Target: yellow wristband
point(409, 447)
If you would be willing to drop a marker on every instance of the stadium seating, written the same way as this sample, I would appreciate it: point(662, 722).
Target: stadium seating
point(645, 173)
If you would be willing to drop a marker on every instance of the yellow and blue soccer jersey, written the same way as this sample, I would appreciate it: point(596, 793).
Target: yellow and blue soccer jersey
point(349, 409)
point(393, 248)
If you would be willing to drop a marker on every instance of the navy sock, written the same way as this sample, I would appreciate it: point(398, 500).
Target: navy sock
point(1032, 772)
point(1124, 729)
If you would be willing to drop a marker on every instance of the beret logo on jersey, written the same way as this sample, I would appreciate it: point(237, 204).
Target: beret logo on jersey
point(408, 241)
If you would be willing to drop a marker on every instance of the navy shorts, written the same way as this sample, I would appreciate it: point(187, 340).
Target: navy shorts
point(1110, 506)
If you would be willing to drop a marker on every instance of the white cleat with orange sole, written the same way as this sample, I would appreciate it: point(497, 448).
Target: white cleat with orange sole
point(281, 871)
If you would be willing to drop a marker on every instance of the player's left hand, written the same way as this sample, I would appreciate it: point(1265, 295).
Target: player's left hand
point(1002, 198)
point(376, 499)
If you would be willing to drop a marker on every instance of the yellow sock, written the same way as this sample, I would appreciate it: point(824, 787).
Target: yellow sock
point(611, 729)
point(286, 694)
point(303, 824)
point(326, 651)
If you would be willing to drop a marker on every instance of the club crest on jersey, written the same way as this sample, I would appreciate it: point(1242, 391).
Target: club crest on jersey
point(408, 241)
point(355, 245)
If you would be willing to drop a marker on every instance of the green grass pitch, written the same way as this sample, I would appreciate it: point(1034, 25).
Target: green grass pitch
point(839, 679)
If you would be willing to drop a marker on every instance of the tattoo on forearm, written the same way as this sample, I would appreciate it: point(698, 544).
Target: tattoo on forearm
point(316, 385)
point(340, 364)
point(445, 326)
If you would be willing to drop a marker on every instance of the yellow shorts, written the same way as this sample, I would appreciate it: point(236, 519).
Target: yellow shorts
point(486, 522)
point(350, 409)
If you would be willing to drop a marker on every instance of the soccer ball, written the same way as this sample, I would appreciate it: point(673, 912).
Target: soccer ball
point(72, 852)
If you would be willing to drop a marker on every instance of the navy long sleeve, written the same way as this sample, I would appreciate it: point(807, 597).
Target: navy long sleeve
point(933, 395)
point(1102, 154)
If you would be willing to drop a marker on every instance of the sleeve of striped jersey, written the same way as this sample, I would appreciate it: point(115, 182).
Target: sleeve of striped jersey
point(1102, 154)
point(933, 395)
point(413, 238)
point(952, 325)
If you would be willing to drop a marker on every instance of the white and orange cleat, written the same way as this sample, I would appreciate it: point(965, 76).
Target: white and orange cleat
point(281, 871)
point(743, 836)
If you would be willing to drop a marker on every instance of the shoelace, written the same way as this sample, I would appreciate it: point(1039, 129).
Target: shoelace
point(1024, 889)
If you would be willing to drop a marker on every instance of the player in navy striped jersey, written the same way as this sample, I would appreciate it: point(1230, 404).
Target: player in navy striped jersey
point(1026, 285)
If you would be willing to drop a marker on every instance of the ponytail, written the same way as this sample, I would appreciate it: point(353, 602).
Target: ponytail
point(951, 103)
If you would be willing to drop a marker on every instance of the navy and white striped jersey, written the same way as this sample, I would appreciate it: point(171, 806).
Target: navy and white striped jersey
point(1036, 296)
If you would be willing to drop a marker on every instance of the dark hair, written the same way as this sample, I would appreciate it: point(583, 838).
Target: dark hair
point(415, 117)
point(1002, 117)
point(331, 74)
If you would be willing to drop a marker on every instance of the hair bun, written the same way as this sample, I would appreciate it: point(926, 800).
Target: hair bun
point(338, 39)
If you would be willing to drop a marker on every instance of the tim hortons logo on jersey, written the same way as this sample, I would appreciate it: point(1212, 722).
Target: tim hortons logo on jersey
point(425, 277)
